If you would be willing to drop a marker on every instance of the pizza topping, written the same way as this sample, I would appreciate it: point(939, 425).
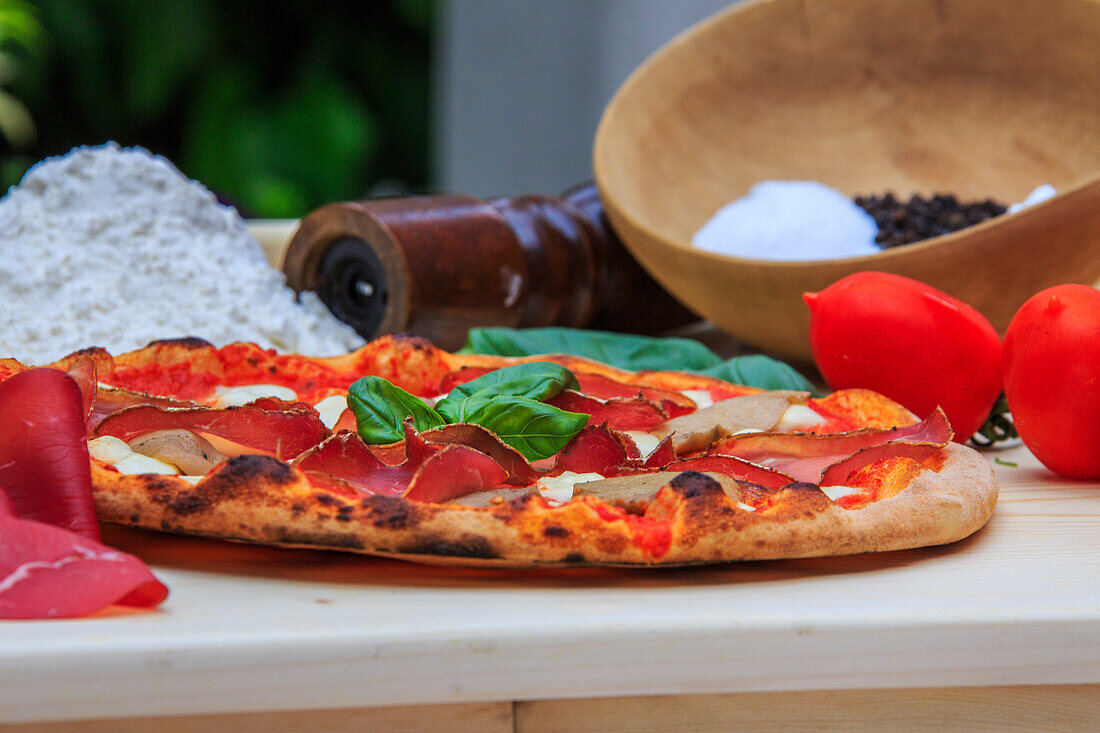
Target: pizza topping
point(331, 409)
point(537, 380)
point(799, 417)
point(734, 468)
point(188, 452)
point(604, 388)
point(381, 409)
point(454, 471)
point(594, 450)
point(520, 472)
point(246, 394)
point(114, 452)
point(428, 474)
point(632, 493)
point(646, 442)
point(760, 411)
point(620, 413)
point(109, 400)
point(559, 489)
point(836, 493)
point(701, 397)
point(42, 444)
point(536, 429)
point(839, 472)
point(233, 431)
point(83, 372)
point(806, 456)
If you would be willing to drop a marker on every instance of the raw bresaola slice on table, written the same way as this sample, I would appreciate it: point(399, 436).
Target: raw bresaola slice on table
point(44, 464)
point(49, 571)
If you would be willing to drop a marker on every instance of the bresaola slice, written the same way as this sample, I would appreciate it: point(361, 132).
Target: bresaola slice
point(837, 474)
point(44, 463)
point(430, 473)
point(599, 449)
point(629, 413)
point(109, 400)
point(233, 431)
point(734, 468)
point(606, 388)
point(807, 456)
point(50, 572)
point(83, 372)
point(520, 472)
point(51, 565)
point(593, 450)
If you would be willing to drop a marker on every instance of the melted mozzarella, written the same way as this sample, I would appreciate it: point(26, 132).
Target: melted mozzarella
point(115, 452)
point(798, 416)
point(237, 396)
point(700, 397)
point(559, 489)
point(108, 449)
point(331, 408)
point(646, 442)
point(839, 492)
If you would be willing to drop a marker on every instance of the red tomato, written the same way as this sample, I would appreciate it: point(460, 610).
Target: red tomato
point(1052, 378)
point(914, 344)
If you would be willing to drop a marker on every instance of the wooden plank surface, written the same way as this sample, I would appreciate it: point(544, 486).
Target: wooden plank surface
point(1037, 709)
point(249, 628)
point(494, 717)
point(1066, 709)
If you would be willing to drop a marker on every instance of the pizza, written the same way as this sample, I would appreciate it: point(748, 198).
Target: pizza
point(403, 450)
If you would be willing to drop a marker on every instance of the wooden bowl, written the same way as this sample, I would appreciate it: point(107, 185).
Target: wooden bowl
point(981, 98)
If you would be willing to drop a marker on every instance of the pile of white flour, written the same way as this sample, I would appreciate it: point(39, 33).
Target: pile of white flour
point(114, 247)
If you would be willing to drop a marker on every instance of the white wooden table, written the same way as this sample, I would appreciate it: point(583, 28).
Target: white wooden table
point(999, 631)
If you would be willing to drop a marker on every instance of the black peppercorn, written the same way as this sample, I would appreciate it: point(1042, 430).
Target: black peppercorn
point(922, 218)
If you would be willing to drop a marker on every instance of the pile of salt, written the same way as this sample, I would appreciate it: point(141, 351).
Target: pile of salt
point(790, 220)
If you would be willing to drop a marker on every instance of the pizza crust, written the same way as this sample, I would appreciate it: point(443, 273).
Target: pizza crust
point(259, 499)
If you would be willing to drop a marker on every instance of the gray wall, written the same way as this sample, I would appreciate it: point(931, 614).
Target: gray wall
point(521, 84)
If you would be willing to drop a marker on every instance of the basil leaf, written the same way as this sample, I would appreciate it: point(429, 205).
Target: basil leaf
point(380, 409)
point(626, 351)
point(629, 351)
point(535, 429)
point(538, 380)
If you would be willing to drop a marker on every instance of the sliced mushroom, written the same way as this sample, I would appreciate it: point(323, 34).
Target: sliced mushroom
point(697, 430)
point(191, 454)
point(635, 492)
point(627, 491)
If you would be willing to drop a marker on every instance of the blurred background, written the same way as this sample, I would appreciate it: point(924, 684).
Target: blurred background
point(286, 105)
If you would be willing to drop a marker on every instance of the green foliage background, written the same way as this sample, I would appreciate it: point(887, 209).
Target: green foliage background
point(279, 106)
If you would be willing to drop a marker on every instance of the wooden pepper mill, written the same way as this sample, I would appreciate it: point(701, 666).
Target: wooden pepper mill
point(435, 266)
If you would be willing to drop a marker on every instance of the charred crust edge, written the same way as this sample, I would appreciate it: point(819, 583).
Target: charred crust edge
point(692, 484)
point(190, 343)
point(470, 546)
